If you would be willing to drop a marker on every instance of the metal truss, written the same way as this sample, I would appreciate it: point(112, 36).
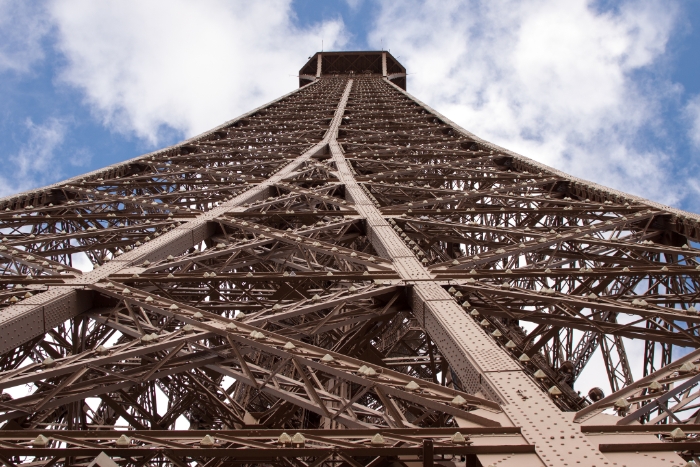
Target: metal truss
point(344, 277)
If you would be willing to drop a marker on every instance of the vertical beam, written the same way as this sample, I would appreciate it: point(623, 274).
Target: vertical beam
point(616, 362)
point(319, 64)
point(584, 351)
point(384, 65)
point(428, 453)
point(481, 364)
point(36, 315)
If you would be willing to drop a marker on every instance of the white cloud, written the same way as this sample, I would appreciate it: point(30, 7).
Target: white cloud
point(80, 157)
point(148, 66)
point(22, 27)
point(555, 81)
point(81, 262)
point(354, 4)
point(35, 162)
point(692, 114)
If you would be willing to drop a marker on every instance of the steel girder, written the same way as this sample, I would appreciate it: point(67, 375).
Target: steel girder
point(343, 263)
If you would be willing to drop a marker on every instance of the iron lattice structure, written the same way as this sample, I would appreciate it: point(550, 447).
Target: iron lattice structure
point(344, 277)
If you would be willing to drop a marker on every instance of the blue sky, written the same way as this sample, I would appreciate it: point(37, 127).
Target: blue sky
point(608, 91)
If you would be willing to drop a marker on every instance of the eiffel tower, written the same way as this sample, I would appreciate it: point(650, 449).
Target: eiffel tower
point(345, 277)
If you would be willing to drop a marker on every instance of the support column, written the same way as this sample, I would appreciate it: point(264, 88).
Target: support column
point(36, 315)
point(481, 364)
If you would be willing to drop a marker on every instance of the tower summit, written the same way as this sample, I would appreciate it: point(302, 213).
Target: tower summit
point(370, 63)
point(345, 277)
